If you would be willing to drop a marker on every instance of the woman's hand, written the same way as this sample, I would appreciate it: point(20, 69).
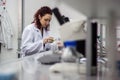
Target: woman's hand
point(48, 40)
point(45, 41)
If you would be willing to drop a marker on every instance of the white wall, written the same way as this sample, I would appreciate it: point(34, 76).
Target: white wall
point(90, 7)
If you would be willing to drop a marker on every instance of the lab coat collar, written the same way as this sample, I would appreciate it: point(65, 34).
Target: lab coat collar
point(35, 28)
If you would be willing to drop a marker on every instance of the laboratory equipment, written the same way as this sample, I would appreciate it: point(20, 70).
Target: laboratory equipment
point(69, 53)
point(61, 18)
point(48, 57)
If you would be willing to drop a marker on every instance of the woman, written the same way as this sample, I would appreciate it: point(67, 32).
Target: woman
point(35, 37)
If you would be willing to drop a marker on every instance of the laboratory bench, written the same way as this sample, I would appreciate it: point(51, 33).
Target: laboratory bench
point(28, 68)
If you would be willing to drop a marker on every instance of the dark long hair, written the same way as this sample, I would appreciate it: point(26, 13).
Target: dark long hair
point(42, 11)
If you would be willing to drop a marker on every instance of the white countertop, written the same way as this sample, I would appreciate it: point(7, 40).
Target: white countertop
point(28, 69)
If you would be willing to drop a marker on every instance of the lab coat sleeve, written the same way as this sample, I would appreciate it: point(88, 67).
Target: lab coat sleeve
point(28, 45)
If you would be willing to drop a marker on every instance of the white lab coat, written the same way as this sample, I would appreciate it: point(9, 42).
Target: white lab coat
point(6, 32)
point(32, 41)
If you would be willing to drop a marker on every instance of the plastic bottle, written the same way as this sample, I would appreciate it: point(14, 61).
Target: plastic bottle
point(69, 53)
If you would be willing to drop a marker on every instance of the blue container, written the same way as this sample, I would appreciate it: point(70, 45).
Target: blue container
point(4, 76)
point(70, 43)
